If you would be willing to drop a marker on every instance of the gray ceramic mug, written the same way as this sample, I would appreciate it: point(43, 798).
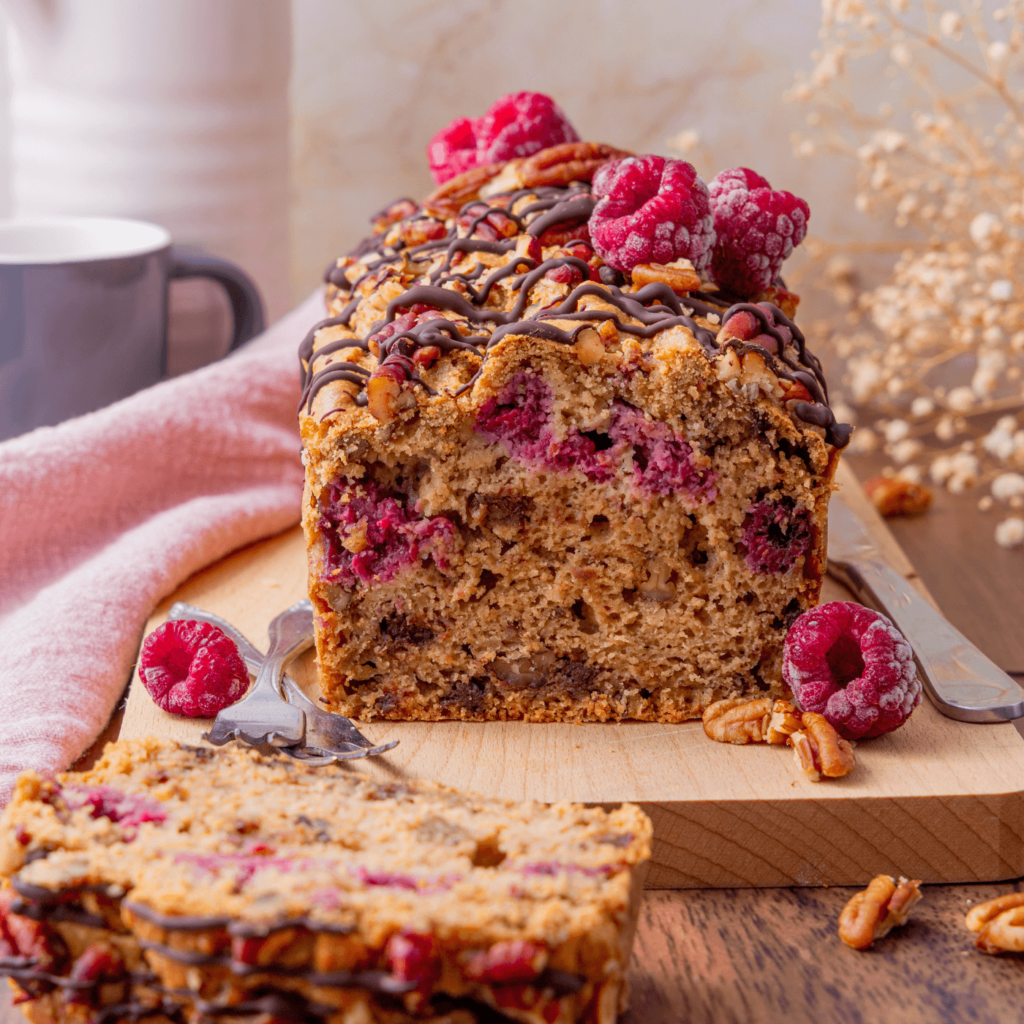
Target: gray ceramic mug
point(83, 312)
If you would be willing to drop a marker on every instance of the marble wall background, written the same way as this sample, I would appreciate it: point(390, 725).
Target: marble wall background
point(372, 82)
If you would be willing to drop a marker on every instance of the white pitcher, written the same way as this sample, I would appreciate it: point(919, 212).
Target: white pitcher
point(174, 111)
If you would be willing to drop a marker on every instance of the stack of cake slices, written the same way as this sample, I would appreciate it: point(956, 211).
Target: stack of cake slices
point(179, 884)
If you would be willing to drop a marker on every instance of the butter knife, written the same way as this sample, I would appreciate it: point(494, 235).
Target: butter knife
point(961, 682)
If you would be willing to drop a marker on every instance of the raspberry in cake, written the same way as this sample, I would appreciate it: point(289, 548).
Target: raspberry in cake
point(182, 884)
point(553, 473)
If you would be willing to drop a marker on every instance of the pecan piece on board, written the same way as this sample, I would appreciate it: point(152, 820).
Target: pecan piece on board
point(894, 496)
point(738, 721)
point(873, 912)
point(784, 722)
point(820, 750)
point(999, 924)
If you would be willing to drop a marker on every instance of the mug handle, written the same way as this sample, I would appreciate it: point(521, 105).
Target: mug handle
point(246, 303)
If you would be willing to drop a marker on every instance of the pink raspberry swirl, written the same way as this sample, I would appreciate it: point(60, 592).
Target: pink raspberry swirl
point(853, 666)
point(651, 210)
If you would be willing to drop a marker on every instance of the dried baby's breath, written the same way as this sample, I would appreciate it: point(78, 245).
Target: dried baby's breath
point(936, 352)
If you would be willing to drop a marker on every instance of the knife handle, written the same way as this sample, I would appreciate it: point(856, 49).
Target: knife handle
point(961, 682)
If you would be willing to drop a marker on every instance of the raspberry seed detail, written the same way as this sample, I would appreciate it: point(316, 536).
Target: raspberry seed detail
point(192, 668)
point(651, 210)
point(853, 666)
point(756, 229)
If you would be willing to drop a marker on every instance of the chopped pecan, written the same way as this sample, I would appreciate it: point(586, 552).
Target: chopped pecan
point(999, 924)
point(382, 394)
point(589, 347)
point(421, 230)
point(447, 199)
point(737, 721)
point(875, 911)
point(894, 496)
point(755, 371)
point(784, 722)
point(728, 367)
point(820, 750)
point(392, 214)
point(679, 275)
point(426, 357)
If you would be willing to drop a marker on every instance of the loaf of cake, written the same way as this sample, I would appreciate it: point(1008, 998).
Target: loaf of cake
point(554, 470)
point(181, 884)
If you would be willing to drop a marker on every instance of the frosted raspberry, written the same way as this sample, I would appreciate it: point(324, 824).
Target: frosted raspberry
point(517, 125)
point(192, 668)
point(756, 229)
point(775, 535)
point(651, 210)
point(853, 666)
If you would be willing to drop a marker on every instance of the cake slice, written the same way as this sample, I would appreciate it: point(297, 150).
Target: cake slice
point(542, 488)
point(181, 884)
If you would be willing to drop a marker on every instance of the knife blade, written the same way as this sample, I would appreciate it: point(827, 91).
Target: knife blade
point(960, 681)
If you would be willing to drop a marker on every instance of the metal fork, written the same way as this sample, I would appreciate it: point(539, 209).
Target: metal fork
point(328, 737)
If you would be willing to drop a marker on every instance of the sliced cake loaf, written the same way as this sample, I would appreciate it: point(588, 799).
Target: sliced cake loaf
point(542, 487)
point(182, 884)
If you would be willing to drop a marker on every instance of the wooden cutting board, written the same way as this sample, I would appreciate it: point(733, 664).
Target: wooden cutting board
point(938, 800)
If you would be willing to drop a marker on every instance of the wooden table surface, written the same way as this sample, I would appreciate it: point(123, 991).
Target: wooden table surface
point(746, 956)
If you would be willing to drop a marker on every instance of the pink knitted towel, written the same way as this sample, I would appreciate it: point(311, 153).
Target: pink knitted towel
point(105, 515)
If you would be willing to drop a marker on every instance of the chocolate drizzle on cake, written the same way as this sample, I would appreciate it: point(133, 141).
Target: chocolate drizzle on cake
point(655, 306)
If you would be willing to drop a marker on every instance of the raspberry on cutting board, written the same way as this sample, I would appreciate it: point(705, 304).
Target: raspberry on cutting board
point(854, 667)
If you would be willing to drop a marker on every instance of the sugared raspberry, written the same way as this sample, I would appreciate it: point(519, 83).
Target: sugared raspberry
point(651, 210)
point(775, 535)
point(518, 125)
point(192, 668)
point(853, 666)
point(756, 229)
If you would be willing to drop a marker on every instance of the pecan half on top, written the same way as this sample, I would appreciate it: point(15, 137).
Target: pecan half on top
point(447, 199)
point(873, 912)
point(556, 165)
point(999, 924)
